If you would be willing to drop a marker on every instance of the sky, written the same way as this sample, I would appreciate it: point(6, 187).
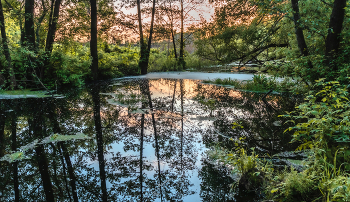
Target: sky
point(194, 11)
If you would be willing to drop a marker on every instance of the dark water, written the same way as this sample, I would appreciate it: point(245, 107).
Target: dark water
point(148, 141)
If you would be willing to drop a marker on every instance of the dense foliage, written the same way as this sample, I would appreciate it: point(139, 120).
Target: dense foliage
point(290, 37)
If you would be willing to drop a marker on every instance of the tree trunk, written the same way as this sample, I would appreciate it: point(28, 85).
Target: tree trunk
point(50, 38)
point(303, 49)
point(172, 34)
point(29, 33)
point(151, 32)
point(334, 31)
point(145, 51)
point(93, 41)
point(182, 45)
point(298, 30)
point(6, 49)
point(55, 10)
point(143, 48)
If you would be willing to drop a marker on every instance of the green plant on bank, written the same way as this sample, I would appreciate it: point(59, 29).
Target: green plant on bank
point(322, 127)
point(324, 122)
point(262, 83)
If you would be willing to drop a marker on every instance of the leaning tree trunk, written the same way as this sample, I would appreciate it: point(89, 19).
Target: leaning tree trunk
point(93, 41)
point(6, 49)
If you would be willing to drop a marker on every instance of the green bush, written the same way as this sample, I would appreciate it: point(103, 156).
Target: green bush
point(324, 121)
point(70, 65)
point(160, 61)
point(197, 63)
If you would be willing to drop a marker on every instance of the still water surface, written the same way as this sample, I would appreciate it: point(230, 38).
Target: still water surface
point(148, 141)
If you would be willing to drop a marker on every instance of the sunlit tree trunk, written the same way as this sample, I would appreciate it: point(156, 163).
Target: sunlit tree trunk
point(93, 41)
point(6, 49)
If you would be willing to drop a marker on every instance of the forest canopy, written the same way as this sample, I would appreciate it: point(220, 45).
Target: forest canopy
point(69, 42)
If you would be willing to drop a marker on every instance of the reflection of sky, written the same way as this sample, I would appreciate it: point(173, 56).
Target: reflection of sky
point(194, 123)
point(123, 130)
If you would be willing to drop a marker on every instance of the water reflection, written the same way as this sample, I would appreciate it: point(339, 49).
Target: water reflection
point(149, 139)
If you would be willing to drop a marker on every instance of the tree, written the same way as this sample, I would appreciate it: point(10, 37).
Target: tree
point(242, 30)
point(93, 41)
point(182, 45)
point(29, 33)
point(144, 56)
point(6, 49)
point(239, 33)
point(53, 20)
point(334, 32)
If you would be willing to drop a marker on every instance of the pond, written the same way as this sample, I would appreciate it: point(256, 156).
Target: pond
point(133, 139)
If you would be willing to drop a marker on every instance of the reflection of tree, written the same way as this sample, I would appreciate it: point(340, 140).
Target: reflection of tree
point(98, 128)
point(215, 185)
point(37, 128)
point(145, 91)
point(138, 156)
point(14, 148)
point(260, 123)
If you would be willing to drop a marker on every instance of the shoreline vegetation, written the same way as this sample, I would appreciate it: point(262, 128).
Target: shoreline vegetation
point(262, 83)
point(320, 125)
